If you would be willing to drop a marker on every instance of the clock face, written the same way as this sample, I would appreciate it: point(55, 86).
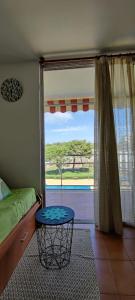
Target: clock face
point(11, 90)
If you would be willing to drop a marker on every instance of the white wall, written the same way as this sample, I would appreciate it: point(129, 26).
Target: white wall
point(19, 128)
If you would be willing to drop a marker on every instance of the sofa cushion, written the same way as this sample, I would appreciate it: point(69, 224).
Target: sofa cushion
point(4, 190)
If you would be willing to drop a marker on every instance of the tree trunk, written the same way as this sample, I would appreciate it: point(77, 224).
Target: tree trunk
point(73, 163)
point(81, 161)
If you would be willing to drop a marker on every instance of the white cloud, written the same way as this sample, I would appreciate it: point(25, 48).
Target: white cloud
point(68, 129)
point(58, 117)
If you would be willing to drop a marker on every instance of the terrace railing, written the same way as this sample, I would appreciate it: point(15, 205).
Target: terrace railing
point(79, 170)
point(75, 168)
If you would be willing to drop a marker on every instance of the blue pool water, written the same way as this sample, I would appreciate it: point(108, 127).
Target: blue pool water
point(68, 187)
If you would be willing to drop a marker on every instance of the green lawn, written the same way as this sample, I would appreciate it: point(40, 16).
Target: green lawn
point(80, 173)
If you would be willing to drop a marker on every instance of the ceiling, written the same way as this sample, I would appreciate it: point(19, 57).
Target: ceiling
point(31, 28)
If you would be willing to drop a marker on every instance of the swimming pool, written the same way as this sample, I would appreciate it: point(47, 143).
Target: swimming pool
point(69, 187)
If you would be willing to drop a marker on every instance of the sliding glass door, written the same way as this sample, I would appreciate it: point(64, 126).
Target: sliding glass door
point(69, 140)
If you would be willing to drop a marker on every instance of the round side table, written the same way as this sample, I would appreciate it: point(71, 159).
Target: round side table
point(54, 236)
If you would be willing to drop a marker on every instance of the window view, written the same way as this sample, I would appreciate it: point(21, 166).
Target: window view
point(69, 140)
point(69, 150)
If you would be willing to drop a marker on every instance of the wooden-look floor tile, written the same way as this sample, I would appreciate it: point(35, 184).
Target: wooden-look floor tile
point(99, 248)
point(109, 297)
point(133, 263)
point(124, 275)
point(130, 247)
point(94, 233)
point(105, 277)
point(116, 248)
point(123, 297)
point(115, 264)
point(129, 232)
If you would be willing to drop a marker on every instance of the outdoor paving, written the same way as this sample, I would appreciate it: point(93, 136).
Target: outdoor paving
point(82, 202)
point(70, 181)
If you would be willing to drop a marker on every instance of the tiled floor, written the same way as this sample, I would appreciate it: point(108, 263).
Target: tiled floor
point(115, 263)
point(82, 202)
point(114, 256)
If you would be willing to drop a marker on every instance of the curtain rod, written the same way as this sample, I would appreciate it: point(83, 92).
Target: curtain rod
point(44, 60)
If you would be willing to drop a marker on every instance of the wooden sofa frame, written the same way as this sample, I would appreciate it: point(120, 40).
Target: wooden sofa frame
point(12, 248)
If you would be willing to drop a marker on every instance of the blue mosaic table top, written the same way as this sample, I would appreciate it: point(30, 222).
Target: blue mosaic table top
point(54, 215)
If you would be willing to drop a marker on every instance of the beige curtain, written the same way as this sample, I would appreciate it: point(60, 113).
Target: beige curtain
point(122, 73)
point(107, 191)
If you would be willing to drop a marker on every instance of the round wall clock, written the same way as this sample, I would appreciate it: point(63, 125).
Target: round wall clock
point(11, 90)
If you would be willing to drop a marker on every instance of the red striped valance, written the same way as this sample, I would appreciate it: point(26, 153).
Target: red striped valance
point(74, 105)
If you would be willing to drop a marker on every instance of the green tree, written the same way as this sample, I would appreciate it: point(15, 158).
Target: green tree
point(55, 153)
point(79, 148)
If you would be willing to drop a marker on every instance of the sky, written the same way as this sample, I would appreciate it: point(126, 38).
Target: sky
point(64, 127)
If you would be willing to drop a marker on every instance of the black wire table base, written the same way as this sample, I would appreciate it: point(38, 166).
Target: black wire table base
point(54, 244)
